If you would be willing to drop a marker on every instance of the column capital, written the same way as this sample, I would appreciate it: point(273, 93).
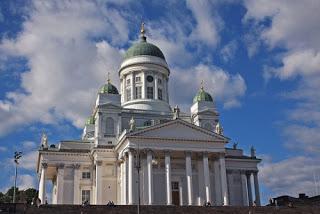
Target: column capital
point(98, 162)
point(76, 166)
point(167, 152)
point(187, 153)
point(44, 165)
point(60, 165)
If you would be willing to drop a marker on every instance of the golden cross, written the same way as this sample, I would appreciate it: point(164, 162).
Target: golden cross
point(142, 31)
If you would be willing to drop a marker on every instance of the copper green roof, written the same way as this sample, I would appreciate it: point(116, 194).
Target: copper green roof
point(202, 96)
point(143, 48)
point(108, 88)
point(90, 120)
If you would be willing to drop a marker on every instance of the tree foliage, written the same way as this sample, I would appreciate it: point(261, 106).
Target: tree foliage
point(22, 196)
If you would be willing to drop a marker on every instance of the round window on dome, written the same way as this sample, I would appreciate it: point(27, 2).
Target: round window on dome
point(150, 78)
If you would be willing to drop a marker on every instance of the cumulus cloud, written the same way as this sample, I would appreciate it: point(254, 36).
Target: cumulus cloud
point(67, 59)
point(66, 65)
point(208, 22)
point(220, 84)
point(3, 149)
point(292, 176)
point(29, 160)
point(26, 181)
point(229, 50)
point(282, 24)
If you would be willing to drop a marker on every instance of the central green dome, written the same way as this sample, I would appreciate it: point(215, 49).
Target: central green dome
point(143, 48)
point(202, 96)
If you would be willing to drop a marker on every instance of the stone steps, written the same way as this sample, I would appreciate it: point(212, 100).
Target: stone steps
point(124, 209)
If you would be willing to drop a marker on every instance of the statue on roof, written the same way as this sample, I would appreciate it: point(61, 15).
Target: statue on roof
point(219, 129)
point(176, 112)
point(253, 152)
point(132, 125)
point(235, 145)
point(44, 140)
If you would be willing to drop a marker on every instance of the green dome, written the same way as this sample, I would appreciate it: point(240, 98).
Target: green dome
point(90, 120)
point(108, 88)
point(202, 96)
point(143, 48)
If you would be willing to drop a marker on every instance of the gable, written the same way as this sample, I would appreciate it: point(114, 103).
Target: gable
point(180, 130)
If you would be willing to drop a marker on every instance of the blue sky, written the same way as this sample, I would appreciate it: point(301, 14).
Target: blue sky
point(260, 60)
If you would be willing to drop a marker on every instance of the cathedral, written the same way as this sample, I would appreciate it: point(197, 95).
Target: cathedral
point(136, 148)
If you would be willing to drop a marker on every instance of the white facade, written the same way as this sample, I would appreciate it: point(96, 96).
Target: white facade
point(135, 140)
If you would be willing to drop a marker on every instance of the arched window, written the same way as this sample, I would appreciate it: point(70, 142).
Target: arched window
point(109, 126)
point(208, 126)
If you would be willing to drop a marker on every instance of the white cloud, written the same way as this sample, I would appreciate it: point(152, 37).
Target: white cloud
point(229, 50)
point(28, 160)
point(66, 66)
point(219, 83)
point(297, 32)
point(28, 144)
point(3, 149)
point(292, 176)
point(26, 181)
point(208, 22)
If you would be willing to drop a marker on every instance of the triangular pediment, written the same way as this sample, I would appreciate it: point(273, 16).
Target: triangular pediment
point(179, 130)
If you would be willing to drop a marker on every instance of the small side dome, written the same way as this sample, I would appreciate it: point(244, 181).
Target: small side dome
point(202, 96)
point(90, 120)
point(108, 88)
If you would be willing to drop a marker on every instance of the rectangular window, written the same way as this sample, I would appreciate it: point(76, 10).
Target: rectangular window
point(86, 175)
point(149, 92)
point(174, 185)
point(159, 81)
point(138, 92)
point(128, 92)
point(159, 94)
point(128, 81)
point(138, 79)
point(85, 195)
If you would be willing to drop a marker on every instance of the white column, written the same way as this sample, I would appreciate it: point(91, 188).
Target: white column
point(42, 183)
point(97, 128)
point(76, 184)
point(249, 188)
point(155, 87)
point(244, 189)
point(143, 88)
point(206, 177)
point(223, 180)
point(201, 192)
point(130, 178)
point(132, 87)
point(168, 177)
point(99, 187)
point(124, 181)
point(150, 177)
point(256, 188)
point(60, 183)
point(217, 182)
point(189, 177)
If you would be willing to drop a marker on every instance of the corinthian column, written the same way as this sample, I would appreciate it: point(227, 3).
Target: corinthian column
point(206, 177)
point(189, 177)
point(256, 188)
point(150, 177)
point(168, 177)
point(223, 180)
point(42, 183)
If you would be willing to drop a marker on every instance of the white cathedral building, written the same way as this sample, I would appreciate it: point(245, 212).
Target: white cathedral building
point(135, 147)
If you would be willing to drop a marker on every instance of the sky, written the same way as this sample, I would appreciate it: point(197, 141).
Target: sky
point(259, 59)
